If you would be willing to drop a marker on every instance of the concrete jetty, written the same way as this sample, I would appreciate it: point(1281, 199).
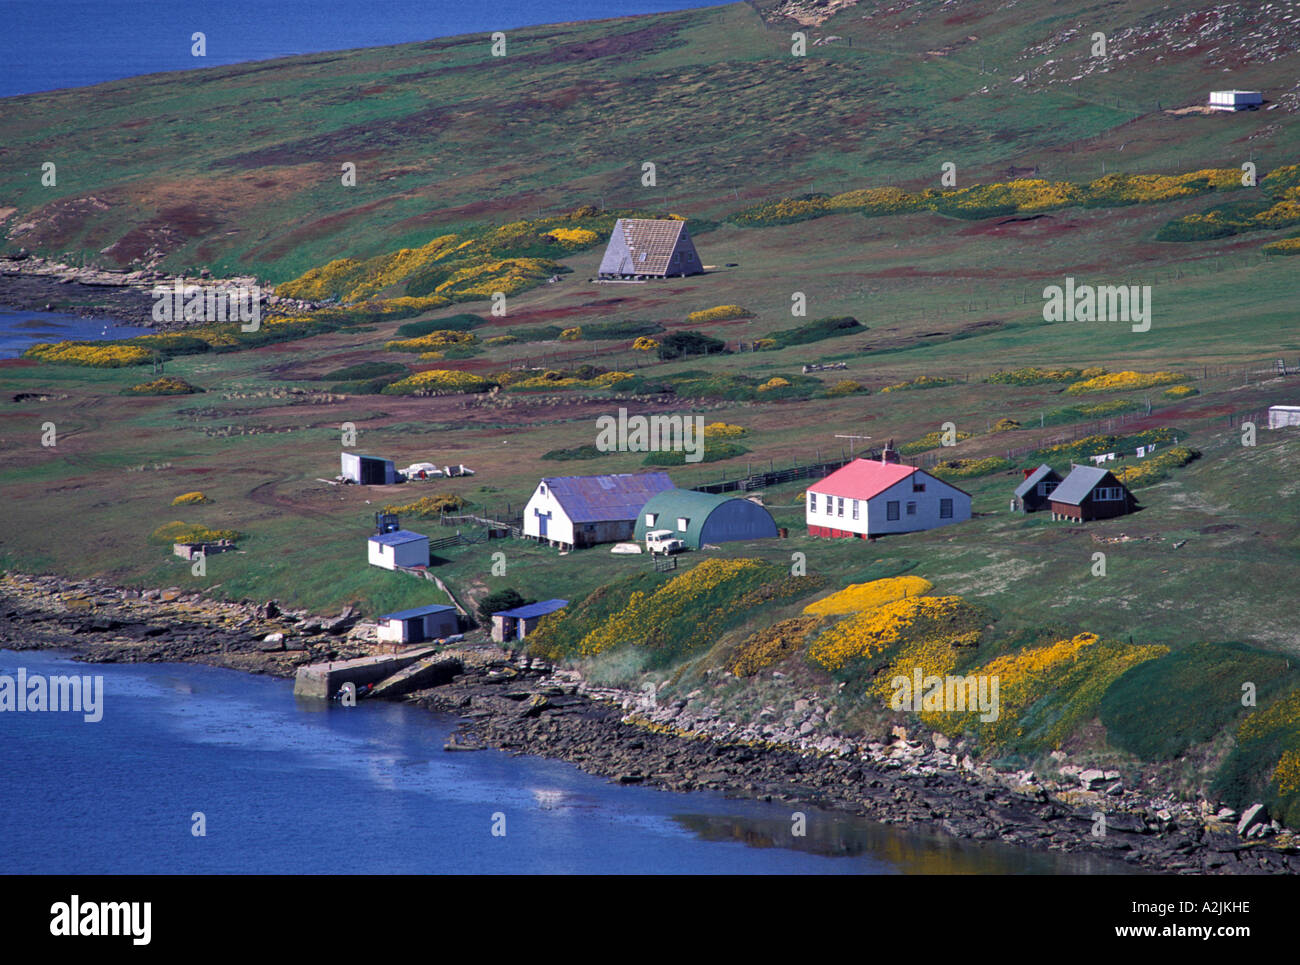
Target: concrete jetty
point(323, 680)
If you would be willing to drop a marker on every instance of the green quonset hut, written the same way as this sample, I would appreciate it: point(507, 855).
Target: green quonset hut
point(698, 518)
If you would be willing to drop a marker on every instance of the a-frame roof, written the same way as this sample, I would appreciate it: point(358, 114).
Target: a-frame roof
point(1034, 478)
point(645, 246)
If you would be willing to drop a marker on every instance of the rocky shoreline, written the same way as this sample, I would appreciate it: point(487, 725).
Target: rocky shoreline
point(521, 705)
point(31, 283)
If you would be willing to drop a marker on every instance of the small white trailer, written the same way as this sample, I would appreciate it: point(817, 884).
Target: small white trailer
point(1235, 100)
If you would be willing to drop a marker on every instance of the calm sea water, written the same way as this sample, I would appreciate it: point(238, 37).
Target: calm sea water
point(70, 43)
point(291, 786)
point(19, 330)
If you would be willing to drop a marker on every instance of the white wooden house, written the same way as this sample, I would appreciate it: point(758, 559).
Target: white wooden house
point(870, 498)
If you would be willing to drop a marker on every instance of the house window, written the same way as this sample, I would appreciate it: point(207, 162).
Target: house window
point(855, 509)
point(839, 505)
point(918, 487)
point(812, 502)
point(911, 507)
point(650, 518)
point(1108, 493)
point(542, 489)
point(642, 258)
point(683, 523)
point(1045, 488)
point(891, 509)
point(945, 509)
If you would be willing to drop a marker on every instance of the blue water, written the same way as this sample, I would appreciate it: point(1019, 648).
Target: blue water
point(48, 44)
point(19, 330)
point(293, 786)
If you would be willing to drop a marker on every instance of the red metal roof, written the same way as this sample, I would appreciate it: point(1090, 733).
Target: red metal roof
point(862, 478)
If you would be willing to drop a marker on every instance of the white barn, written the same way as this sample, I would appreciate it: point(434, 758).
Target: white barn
point(400, 547)
point(577, 511)
point(1281, 416)
point(869, 498)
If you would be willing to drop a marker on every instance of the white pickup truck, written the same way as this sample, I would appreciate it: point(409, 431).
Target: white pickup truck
point(663, 541)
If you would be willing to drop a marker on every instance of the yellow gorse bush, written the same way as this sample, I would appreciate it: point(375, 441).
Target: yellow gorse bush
point(439, 381)
point(431, 342)
point(1120, 381)
point(871, 633)
point(645, 344)
point(719, 313)
point(775, 382)
point(771, 644)
point(188, 499)
point(574, 237)
point(571, 334)
point(1078, 670)
point(96, 355)
point(723, 430)
point(858, 597)
point(680, 595)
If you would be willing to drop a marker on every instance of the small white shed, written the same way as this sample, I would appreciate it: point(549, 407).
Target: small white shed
point(415, 626)
point(401, 547)
point(1235, 100)
point(1281, 416)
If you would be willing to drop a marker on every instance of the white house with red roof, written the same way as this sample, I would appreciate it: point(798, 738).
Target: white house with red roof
point(869, 498)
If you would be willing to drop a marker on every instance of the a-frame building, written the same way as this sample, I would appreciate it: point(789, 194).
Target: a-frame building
point(650, 248)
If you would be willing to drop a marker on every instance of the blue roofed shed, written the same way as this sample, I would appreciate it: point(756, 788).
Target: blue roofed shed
point(419, 624)
point(517, 623)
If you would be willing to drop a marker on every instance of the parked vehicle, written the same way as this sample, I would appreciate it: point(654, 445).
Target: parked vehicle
point(662, 541)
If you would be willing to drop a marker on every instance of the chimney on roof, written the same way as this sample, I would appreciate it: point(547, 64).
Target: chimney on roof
point(889, 453)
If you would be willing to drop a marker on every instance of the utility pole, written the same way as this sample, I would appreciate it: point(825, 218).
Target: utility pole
point(850, 438)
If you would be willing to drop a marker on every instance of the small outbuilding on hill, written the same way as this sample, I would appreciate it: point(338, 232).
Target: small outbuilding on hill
point(650, 248)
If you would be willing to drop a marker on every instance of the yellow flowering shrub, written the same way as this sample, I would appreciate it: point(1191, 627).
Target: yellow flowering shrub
point(844, 387)
point(719, 313)
point(771, 645)
point(1046, 692)
point(1121, 381)
point(1179, 392)
point(858, 597)
point(189, 499)
point(439, 382)
point(94, 354)
point(571, 335)
point(645, 344)
point(431, 342)
point(775, 382)
point(679, 611)
point(180, 532)
point(1287, 773)
point(1283, 246)
point(869, 634)
point(723, 430)
point(574, 237)
point(611, 379)
point(429, 506)
point(920, 382)
point(500, 340)
point(164, 385)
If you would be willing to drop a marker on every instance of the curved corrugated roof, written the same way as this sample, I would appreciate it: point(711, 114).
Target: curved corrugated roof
point(696, 507)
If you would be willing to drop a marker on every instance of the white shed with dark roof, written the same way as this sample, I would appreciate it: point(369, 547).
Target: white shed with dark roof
point(650, 248)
